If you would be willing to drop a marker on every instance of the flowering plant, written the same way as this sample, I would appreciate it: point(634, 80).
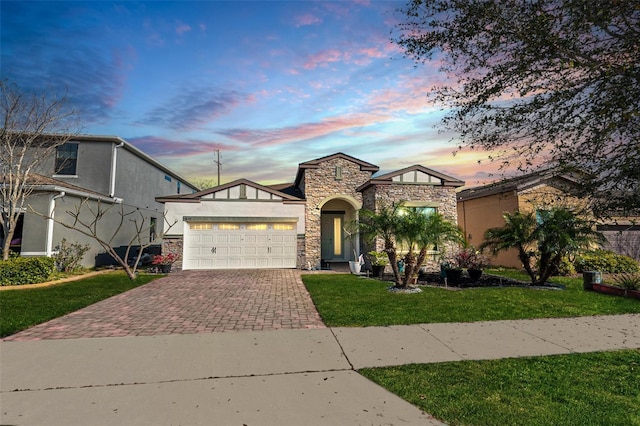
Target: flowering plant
point(167, 259)
point(470, 258)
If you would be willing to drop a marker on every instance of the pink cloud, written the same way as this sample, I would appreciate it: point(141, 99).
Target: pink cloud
point(306, 20)
point(182, 28)
point(322, 58)
point(303, 132)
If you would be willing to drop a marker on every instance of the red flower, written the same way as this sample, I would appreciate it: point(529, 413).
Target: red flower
point(167, 259)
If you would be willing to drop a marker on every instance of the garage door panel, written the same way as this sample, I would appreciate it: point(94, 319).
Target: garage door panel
point(239, 246)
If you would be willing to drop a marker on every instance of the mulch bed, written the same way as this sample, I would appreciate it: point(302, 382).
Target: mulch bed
point(486, 280)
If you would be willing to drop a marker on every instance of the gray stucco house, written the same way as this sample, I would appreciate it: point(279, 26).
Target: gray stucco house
point(97, 170)
point(243, 224)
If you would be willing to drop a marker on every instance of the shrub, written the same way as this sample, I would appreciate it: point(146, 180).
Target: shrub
point(69, 255)
point(628, 281)
point(566, 267)
point(605, 261)
point(26, 270)
point(470, 258)
point(379, 258)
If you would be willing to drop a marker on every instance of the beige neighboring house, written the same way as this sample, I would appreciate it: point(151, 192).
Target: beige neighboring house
point(483, 207)
point(243, 224)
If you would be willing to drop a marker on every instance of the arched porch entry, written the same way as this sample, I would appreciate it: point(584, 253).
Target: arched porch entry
point(338, 214)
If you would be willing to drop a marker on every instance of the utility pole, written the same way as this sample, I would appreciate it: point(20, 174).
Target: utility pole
point(219, 163)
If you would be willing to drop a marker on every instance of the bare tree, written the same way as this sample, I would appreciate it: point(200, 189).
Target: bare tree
point(33, 126)
point(86, 218)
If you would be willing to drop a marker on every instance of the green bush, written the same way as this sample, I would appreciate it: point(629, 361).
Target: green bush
point(566, 267)
point(69, 255)
point(605, 261)
point(26, 270)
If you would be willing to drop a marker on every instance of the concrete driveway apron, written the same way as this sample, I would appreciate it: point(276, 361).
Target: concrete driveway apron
point(192, 302)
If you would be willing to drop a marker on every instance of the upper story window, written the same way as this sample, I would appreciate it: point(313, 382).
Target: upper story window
point(66, 159)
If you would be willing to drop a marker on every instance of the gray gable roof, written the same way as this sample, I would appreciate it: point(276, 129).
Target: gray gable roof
point(440, 179)
point(197, 196)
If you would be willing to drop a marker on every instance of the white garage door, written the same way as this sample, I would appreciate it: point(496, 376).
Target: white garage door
point(239, 245)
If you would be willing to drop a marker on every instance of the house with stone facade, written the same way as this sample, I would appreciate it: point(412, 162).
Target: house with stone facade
point(243, 224)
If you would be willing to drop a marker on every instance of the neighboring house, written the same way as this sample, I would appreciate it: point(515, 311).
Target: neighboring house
point(243, 224)
point(105, 171)
point(622, 234)
point(483, 207)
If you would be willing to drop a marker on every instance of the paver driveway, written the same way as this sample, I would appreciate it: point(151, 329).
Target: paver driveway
point(190, 302)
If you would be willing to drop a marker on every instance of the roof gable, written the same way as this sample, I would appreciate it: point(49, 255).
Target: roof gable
point(239, 190)
point(559, 180)
point(414, 175)
point(314, 164)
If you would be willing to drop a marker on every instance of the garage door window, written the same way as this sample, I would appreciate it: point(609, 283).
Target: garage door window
point(228, 226)
point(200, 226)
point(257, 227)
point(283, 227)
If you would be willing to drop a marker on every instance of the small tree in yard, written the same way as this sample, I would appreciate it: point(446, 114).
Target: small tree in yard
point(383, 224)
point(33, 126)
point(544, 237)
point(86, 219)
point(422, 232)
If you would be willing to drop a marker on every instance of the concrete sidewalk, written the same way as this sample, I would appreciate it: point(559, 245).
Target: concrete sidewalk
point(287, 377)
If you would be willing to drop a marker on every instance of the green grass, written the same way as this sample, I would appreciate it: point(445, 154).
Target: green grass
point(578, 389)
point(350, 301)
point(24, 308)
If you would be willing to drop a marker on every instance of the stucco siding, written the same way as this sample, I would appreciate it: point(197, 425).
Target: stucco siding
point(477, 215)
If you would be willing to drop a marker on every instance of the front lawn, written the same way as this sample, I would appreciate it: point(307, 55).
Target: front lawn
point(351, 301)
point(578, 389)
point(24, 308)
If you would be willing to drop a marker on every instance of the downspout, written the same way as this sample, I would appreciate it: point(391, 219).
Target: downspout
point(114, 158)
point(50, 222)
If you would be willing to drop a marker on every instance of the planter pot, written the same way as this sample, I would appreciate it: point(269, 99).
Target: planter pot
point(354, 267)
point(474, 274)
point(453, 275)
point(165, 269)
point(377, 270)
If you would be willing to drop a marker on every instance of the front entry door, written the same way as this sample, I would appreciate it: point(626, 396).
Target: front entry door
point(332, 237)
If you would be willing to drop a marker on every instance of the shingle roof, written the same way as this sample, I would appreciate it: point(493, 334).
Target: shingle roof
point(521, 183)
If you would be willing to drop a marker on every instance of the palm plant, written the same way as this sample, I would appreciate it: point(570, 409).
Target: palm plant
point(383, 223)
point(519, 233)
point(547, 236)
point(415, 231)
point(428, 232)
point(560, 232)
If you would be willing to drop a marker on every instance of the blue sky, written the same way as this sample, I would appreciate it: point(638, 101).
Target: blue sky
point(269, 83)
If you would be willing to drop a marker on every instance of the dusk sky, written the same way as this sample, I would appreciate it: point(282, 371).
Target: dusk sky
point(269, 83)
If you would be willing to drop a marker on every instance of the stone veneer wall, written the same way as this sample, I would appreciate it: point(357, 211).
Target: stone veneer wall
point(301, 262)
point(321, 183)
point(173, 245)
point(443, 196)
